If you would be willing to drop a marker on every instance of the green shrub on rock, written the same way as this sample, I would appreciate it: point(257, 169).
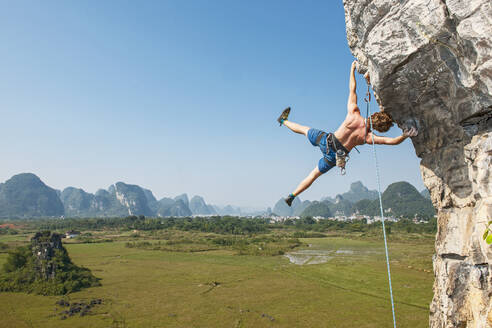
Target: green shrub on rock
point(44, 268)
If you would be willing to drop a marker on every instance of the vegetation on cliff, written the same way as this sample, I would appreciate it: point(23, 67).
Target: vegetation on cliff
point(44, 268)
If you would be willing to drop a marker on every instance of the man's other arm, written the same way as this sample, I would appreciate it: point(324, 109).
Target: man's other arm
point(391, 141)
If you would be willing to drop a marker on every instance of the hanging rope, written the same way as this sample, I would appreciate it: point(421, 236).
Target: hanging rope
point(368, 100)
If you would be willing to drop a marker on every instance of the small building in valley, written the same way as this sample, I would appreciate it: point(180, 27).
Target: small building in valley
point(72, 234)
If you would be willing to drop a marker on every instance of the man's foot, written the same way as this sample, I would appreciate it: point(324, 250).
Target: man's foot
point(289, 199)
point(283, 117)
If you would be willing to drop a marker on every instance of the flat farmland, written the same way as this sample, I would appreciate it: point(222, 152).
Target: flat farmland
point(344, 286)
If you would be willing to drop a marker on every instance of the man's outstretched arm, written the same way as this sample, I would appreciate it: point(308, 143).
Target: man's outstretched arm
point(352, 99)
point(391, 141)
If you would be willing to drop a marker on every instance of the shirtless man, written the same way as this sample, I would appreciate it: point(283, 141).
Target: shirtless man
point(354, 131)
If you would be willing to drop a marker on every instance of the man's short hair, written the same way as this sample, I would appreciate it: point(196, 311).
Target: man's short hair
point(381, 121)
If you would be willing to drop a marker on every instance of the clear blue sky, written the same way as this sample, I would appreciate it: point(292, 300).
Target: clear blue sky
point(180, 96)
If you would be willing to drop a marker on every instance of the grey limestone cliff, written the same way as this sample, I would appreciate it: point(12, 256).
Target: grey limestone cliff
point(43, 247)
point(430, 63)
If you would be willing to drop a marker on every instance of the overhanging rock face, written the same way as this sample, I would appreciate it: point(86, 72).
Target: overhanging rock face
point(430, 63)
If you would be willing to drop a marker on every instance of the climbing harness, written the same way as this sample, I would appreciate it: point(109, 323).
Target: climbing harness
point(367, 100)
point(342, 156)
point(341, 153)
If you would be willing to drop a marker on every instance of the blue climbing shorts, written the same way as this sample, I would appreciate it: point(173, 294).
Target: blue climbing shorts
point(328, 154)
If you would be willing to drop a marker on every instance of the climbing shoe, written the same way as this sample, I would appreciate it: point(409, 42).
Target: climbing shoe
point(289, 199)
point(283, 117)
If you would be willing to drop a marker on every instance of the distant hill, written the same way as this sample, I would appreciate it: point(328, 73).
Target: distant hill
point(240, 211)
point(25, 195)
point(77, 202)
point(151, 200)
point(356, 192)
point(297, 211)
point(199, 207)
point(317, 209)
point(132, 199)
point(297, 208)
point(120, 199)
point(172, 207)
point(364, 206)
point(228, 210)
point(282, 209)
point(341, 206)
point(399, 199)
point(184, 198)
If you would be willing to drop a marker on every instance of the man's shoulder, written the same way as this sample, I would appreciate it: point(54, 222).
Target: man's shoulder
point(354, 115)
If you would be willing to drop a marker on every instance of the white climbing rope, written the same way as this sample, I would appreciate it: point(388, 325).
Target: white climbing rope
point(368, 114)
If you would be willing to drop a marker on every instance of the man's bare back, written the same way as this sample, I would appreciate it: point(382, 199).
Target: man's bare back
point(352, 132)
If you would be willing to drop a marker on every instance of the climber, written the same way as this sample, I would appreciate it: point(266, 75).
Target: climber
point(354, 131)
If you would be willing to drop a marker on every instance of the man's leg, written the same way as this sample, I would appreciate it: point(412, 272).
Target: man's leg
point(306, 183)
point(297, 128)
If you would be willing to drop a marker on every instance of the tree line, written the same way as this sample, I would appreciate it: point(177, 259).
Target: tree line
point(231, 225)
point(216, 224)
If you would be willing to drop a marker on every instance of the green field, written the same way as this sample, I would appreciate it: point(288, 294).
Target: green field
point(156, 288)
